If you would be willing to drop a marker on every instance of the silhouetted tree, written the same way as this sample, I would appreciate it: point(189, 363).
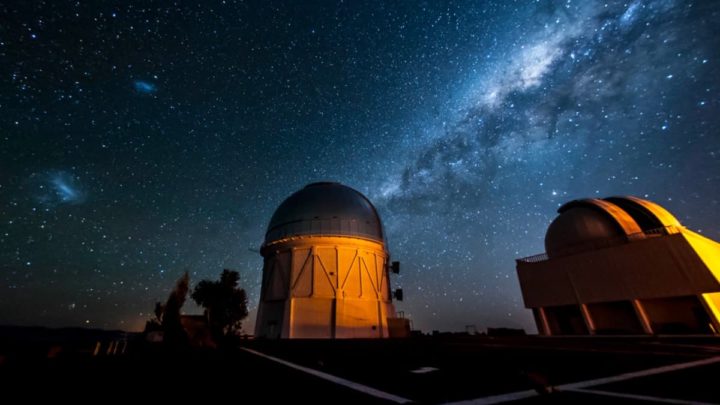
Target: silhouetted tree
point(224, 302)
point(155, 324)
point(159, 311)
point(173, 332)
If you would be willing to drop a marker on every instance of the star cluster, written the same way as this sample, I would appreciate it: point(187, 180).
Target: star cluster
point(140, 141)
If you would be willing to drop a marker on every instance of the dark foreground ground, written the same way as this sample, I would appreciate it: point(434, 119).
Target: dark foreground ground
point(62, 365)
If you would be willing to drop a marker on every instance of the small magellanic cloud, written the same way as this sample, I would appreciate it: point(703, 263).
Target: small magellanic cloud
point(144, 87)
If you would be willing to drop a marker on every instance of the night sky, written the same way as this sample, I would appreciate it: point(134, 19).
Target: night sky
point(141, 141)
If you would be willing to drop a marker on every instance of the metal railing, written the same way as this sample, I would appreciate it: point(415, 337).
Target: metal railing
point(534, 258)
point(327, 227)
point(601, 244)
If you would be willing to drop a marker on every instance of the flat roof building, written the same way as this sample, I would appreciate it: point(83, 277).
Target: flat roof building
point(622, 265)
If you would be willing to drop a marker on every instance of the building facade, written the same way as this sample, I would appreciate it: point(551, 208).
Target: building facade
point(622, 265)
point(326, 268)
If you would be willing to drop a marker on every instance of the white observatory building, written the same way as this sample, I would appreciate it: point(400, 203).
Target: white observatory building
point(326, 269)
point(622, 265)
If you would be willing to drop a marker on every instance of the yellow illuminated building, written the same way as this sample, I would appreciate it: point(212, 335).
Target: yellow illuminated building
point(622, 265)
point(326, 269)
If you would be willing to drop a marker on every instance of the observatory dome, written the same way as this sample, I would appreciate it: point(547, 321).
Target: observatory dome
point(593, 223)
point(579, 226)
point(325, 208)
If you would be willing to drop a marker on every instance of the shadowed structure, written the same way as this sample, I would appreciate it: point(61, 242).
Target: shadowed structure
point(622, 265)
point(325, 273)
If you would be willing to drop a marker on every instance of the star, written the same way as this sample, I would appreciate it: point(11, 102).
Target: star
point(176, 132)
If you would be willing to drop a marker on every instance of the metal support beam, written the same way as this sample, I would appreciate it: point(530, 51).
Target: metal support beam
point(543, 325)
point(642, 317)
point(588, 319)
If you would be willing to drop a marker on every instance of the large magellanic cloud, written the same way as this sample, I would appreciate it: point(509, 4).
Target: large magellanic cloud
point(57, 187)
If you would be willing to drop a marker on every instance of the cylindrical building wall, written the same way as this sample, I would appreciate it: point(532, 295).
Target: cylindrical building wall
point(324, 287)
point(325, 272)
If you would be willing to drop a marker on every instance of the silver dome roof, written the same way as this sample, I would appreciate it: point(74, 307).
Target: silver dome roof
point(592, 223)
point(325, 208)
point(579, 227)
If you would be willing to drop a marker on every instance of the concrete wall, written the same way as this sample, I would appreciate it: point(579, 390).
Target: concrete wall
point(651, 268)
point(677, 315)
point(666, 284)
point(328, 287)
point(617, 317)
point(565, 320)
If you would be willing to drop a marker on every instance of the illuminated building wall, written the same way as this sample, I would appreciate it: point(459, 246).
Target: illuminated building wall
point(622, 265)
point(325, 272)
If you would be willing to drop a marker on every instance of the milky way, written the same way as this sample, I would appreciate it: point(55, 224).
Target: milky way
point(467, 123)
